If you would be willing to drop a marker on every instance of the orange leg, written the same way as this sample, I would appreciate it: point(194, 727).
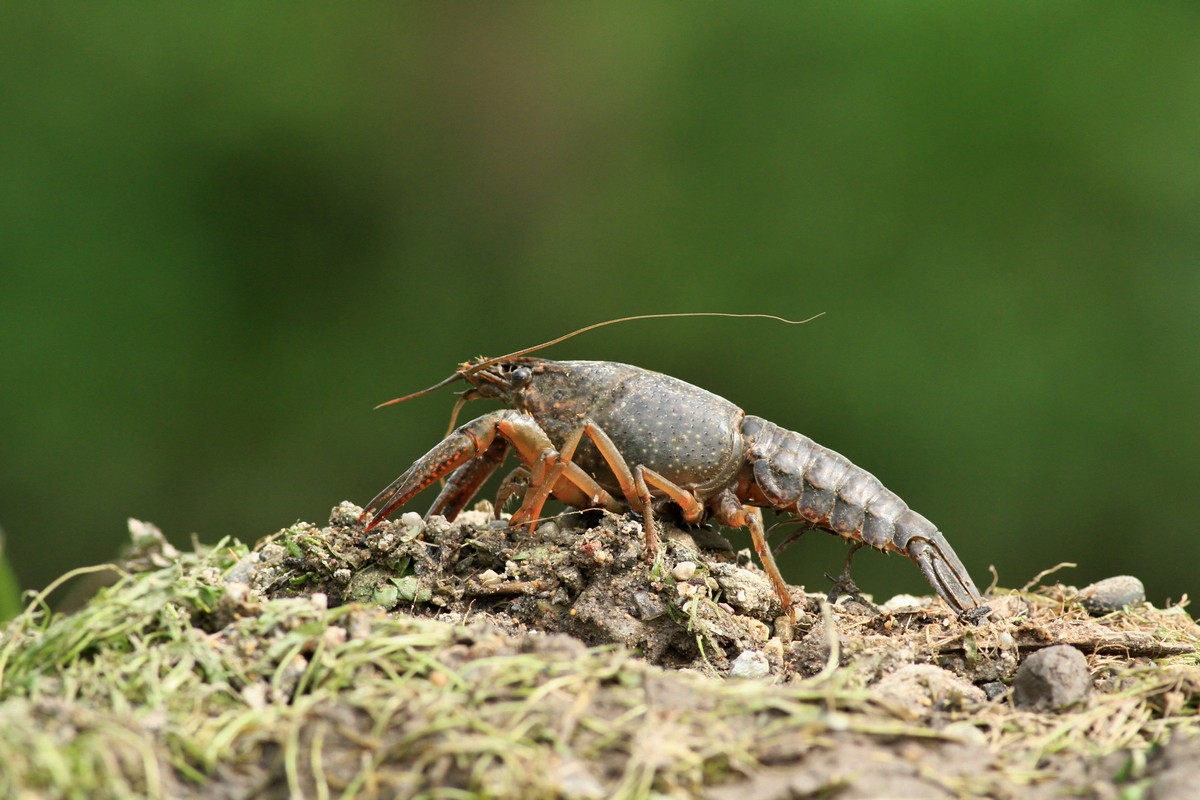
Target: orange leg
point(693, 509)
point(515, 484)
point(634, 482)
point(730, 511)
point(475, 440)
point(546, 472)
point(464, 482)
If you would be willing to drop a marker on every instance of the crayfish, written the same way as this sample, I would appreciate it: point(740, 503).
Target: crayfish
point(598, 434)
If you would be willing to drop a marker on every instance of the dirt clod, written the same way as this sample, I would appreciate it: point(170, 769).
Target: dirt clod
point(924, 689)
point(1055, 678)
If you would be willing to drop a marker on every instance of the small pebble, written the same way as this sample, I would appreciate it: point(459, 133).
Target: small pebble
point(255, 695)
point(773, 650)
point(684, 571)
point(649, 606)
point(785, 628)
point(571, 577)
point(964, 731)
point(994, 689)
point(574, 778)
point(1052, 678)
point(1112, 594)
point(436, 527)
point(750, 664)
point(748, 592)
point(758, 630)
point(902, 602)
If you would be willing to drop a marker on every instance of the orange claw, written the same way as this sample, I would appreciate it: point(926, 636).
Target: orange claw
point(459, 447)
point(478, 440)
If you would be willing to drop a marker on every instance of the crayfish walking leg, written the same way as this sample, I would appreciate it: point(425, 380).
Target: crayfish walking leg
point(635, 482)
point(731, 512)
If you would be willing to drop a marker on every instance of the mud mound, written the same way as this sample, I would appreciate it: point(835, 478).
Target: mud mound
point(434, 659)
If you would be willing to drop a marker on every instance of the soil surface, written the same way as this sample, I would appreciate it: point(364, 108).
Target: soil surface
point(435, 658)
point(700, 606)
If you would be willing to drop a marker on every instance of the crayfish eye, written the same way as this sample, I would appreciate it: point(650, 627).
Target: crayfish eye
point(520, 376)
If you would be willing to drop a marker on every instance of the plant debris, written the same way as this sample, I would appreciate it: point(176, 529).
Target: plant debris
point(430, 659)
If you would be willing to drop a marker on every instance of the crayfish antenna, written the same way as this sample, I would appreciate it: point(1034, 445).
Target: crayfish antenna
point(487, 362)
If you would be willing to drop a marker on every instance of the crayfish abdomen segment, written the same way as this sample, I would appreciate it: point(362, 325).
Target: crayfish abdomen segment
point(823, 487)
point(795, 475)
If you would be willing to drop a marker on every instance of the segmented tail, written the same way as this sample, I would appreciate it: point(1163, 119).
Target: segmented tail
point(796, 475)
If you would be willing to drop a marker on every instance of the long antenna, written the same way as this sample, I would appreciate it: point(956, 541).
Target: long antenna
point(594, 325)
point(470, 369)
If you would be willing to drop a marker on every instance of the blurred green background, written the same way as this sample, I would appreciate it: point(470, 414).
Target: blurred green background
point(228, 231)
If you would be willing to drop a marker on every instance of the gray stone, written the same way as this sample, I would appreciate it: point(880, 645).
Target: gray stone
point(649, 606)
point(994, 690)
point(1112, 594)
point(1053, 678)
point(1174, 770)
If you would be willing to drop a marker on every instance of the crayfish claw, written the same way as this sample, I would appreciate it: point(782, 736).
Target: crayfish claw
point(471, 441)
